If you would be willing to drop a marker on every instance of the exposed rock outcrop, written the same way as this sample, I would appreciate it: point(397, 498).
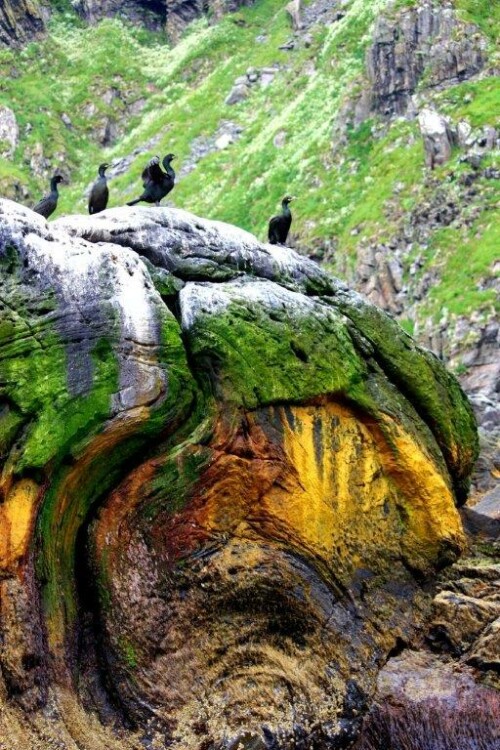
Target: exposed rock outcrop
point(181, 12)
point(437, 136)
point(149, 13)
point(425, 701)
point(427, 38)
point(221, 466)
point(175, 15)
point(21, 20)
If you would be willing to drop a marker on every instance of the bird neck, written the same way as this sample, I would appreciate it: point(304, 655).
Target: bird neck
point(53, 185)
point(168, 167)
point(285, 208)
point(102, 171)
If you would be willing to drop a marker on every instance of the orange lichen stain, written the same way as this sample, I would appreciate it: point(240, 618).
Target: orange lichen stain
point(320, 479)
point(17, 515)
point(116, 512)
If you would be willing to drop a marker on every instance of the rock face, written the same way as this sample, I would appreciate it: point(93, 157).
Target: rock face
point(20, 20)
point(149, 13)
point(181, 12)
point(175, 15)
point(225, 478)
point(426, 38)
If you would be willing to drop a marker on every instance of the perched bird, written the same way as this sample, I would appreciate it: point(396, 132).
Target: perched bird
point(157, 183)
point(279, 226)
point(99, 194)
point(48, 204)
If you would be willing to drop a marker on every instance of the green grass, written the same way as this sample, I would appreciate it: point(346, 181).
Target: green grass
point(477, 101)
point(484, 13)
point(466, 259)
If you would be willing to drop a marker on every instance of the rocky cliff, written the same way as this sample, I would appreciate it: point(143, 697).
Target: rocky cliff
point(21, 20)
point(24, 20)
point(226, 479)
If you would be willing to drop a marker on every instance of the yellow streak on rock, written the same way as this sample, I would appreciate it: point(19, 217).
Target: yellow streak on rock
point(16, 521)
point(352, 492)
point(334, 487)
point(429, 502)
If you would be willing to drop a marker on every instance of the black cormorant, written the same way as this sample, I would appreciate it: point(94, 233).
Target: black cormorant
point(99, 194)
point(157, 183)
point(279, 225)
point(48, 204)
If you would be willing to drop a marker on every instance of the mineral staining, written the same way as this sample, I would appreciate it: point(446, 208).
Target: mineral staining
point(231, 466)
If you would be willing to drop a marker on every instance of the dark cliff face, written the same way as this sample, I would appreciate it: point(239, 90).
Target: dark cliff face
point(149, 13)
point(156, 14)
point(425, 41)
point(20, 20)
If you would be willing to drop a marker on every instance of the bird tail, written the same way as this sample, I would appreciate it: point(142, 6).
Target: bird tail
point(132, 203)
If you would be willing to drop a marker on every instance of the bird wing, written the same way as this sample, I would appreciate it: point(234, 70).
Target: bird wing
point(45, 206)
point(274, 221)
point(98, 199)
point(152, 172)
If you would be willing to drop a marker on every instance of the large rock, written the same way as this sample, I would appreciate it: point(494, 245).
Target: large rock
point(437, 135)
point(225, 479)
point(425, 698)
point(181, 12)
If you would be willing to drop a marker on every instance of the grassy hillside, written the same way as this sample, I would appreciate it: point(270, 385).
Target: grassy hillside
point(349, 194)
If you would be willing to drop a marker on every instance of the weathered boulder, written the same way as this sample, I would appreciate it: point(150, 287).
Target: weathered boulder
point(445, 694)
point(225, 478)
point(424, 701)
point(437, 135)
point(238, 93)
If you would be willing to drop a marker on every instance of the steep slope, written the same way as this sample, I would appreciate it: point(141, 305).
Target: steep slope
point(328, 112)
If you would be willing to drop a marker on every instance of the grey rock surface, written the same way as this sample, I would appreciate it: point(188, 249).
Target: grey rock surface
point(238, 93)
point(9, 132)
point(437, 136)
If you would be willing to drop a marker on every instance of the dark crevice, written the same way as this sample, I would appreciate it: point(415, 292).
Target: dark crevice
point(95, 689)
